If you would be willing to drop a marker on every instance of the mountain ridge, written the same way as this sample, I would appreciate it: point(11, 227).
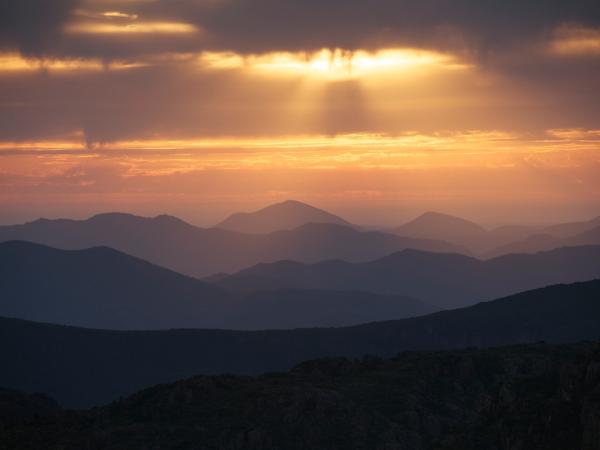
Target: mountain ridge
point(200, 252)
point(285, 215)
point(443, 279)
point(85, 367)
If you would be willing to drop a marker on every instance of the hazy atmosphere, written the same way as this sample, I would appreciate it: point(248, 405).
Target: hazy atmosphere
point(300, 224)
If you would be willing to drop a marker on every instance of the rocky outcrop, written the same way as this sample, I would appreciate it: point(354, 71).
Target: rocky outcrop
point(530, 397)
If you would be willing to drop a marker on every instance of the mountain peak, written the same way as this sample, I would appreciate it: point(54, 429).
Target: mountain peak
point(285, 215)
point(435, 225)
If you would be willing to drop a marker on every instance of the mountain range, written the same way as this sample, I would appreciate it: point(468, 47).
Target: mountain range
point(103, 288)
point(502, 240)
point(174, 244)
point(444, 280)
point(82, 367)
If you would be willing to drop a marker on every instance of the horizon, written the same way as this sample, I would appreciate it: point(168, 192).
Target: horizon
point(403, 218)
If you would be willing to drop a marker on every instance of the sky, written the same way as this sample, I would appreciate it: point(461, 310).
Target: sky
point(376, 110)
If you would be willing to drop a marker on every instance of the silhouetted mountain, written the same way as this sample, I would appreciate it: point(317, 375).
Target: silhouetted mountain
point(445, 280)
point(536, 397)
point(565, 230)
point(176, 245)
point(498, 241)
point(433, 225)
point(280, 216)
point(102, 288)
point(541, 242)
point(82, 367)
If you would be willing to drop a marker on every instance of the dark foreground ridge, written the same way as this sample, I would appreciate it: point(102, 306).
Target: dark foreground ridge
point(82, 367)
point(534, 397)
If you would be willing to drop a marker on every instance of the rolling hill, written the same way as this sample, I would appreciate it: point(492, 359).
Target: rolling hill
point(171, 243)
point(83, 367)
point(103, 288)
point(280, 216)
point(445, 280)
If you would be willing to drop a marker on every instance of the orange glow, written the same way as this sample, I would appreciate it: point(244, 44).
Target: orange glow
point(350, 151)
point(572, 40)
point(13, 62)
point(131, 28)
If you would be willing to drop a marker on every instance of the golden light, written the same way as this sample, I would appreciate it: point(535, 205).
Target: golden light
point(574, 40)
point(330, 64)
point(13, 62)
point(131, 28)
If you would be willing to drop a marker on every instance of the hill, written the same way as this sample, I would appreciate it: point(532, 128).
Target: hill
point(280, 216)
point(433, 225)
point(498, 241)
point(544, 242)
point(445, 280)
point(179, 246)
point(103, 288)
point(536, 397)
point(83, 367)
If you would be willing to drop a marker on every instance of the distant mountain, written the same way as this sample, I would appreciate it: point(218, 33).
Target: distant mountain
point(102, 288)
point(565, 230)
point(498, 241)
point(179, 246)
point(540, 397)
point(542, 242)
point(433, 225)
point(280, 216)
point(81, 367)
point(445, 280)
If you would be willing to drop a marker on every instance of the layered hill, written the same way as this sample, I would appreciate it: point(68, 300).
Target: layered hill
point(545, 241)
point(103, 288)
point(445, 280)
point(497, 241)
point(83, 367)
point(536, 397)
point(280, 216)
point(179, 246)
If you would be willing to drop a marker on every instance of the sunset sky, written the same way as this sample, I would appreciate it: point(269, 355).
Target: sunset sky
point(377, 110)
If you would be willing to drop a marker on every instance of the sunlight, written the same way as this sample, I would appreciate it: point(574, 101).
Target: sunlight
point(330, 64)
point(13, 62)
point(131, 28)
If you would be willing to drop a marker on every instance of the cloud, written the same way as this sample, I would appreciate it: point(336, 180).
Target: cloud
point(256, 26)
point(33, 26)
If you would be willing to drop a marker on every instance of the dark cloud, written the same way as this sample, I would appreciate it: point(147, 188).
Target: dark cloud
point(251, 26)
point(33, 26)
point(265, 25)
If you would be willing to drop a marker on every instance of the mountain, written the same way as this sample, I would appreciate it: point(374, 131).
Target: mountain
point(433, 225)
point(565, 230)
point(81, 367)
point(444, 280)
point(103, 288)
point(179, 246)
point(280, 216)
point(541, 242)
point(534, 397)
point(498, 241)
